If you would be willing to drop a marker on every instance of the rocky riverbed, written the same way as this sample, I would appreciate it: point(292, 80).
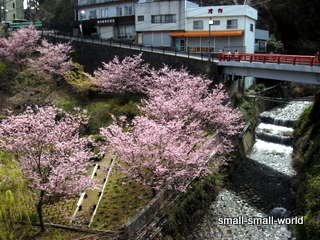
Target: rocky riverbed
point(261, 185)
point(228, 204)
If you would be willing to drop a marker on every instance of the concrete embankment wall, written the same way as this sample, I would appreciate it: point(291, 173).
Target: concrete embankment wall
point(91, 56)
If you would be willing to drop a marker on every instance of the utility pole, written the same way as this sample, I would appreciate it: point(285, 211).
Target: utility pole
point(2, 11)
point(210, 23)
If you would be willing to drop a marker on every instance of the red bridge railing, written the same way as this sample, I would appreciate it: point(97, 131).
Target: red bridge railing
point(271, 58)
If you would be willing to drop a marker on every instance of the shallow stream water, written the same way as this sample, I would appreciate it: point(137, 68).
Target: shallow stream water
point(260, 186)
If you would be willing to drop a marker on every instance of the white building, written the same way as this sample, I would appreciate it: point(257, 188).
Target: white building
point(185, 26)
point(156, 20)
point(112, 19)
point(12, 10)
point(178, 24)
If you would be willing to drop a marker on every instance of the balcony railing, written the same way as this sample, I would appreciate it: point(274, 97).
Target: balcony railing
point(91, 2)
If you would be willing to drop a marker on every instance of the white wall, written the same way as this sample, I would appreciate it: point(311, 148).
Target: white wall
point(222, 26)
point(249, 36)
point(228, 11)
point(14, 13)
point(148, 9)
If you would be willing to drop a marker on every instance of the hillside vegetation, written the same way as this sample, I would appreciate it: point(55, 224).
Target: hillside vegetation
point(307, 162)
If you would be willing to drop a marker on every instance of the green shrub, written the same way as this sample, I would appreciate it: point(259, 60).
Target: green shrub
point(79, 80)
point(303, 122)
point(67, 104)
point(15, 200)
point(249, 110)
point(99, 115)
point(3, 69)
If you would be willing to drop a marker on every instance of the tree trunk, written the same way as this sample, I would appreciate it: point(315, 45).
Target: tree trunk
point(39, 211)
point(154, 192)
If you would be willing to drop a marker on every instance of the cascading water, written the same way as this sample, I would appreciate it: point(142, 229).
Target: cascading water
point(261, 185)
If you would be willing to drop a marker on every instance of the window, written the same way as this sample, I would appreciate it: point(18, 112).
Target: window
point(198, 24)
point(92, 14)
point(126, 10)
point(13, 5)
point(140, 18)
point(170, 18)
point(119, 11)
point(232, 24)
point(216, 22)
point(251, 27)
point(103, 12)
point(14, 16)
point(156, 19)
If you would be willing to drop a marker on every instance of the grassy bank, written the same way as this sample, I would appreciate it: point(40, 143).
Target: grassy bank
point(122, 200)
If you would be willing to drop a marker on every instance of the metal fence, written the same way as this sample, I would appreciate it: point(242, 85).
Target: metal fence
point(211, 57)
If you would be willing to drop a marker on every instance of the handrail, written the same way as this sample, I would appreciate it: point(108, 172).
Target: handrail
point(204, 56)
point(270, 58)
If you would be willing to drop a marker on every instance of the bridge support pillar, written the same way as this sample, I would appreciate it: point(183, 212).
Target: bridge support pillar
point(248, 82)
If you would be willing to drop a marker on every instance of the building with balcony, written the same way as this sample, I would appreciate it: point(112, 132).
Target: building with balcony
point(187, 27)
point(110, 18)
point(179, 24)
point(155, 20)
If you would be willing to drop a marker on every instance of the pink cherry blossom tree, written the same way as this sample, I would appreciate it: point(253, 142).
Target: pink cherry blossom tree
point(177, 95)
point(160, 155)
point(169, 145)
point(54, 58)
point(24, 49)
point(126, 76)
point(20, 45)
point(52, 155)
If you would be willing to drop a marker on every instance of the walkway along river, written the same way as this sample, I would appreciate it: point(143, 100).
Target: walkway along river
point(260, 186)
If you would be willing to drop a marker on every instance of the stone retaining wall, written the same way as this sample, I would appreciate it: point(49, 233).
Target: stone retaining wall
point(146, 215)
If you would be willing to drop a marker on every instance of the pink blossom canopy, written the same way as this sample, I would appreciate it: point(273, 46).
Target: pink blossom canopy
point(52, 155)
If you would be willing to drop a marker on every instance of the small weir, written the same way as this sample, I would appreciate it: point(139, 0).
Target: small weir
point(260, 186)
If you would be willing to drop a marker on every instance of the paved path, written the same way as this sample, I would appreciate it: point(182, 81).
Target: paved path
point(86, 205)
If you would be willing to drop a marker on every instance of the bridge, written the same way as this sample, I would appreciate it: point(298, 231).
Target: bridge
point(293, 68)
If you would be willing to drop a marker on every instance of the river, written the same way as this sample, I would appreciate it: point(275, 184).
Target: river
point(260, 186)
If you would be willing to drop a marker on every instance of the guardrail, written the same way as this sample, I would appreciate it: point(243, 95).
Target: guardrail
point(271, 58)
point(203, 56)
point(210, 57)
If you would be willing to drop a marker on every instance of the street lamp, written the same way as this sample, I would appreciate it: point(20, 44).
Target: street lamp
point(210, 23)
point(82, 13)
point(1, 13)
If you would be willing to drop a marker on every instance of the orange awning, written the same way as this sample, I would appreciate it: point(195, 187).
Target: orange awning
point(225, 33)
